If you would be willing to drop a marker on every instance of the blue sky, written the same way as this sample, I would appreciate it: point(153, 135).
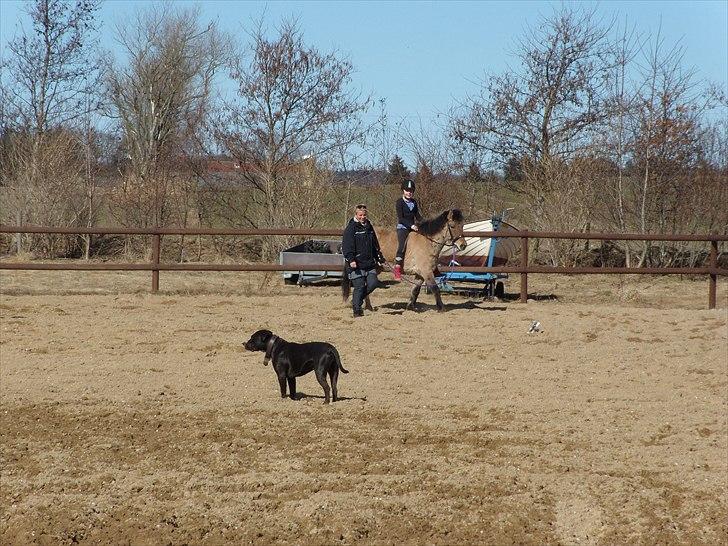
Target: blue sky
point(423, 56)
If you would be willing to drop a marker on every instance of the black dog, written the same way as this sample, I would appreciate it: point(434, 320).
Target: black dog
point(292, 360)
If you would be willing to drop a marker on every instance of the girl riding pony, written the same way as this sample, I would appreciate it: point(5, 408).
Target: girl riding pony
point(407, 214)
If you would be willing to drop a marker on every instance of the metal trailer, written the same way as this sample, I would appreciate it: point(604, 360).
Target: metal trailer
point(492, 283)
point(311, 252)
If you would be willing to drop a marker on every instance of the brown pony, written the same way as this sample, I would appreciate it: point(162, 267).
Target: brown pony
point(422, 253)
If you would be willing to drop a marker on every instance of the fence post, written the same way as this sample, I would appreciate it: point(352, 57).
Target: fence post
point(18, 236)
point(524, 264)
point(713, 277)
point(155, 261)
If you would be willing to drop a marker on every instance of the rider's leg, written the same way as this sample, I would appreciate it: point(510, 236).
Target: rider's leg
point(401, 240)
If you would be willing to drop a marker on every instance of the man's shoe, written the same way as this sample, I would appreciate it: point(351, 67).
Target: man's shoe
point(359, 313)
point(397, 272)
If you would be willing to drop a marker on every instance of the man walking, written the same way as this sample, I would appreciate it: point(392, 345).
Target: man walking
point(362, 254)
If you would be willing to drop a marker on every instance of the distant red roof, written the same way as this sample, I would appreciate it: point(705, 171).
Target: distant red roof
point(231, 166)
point(222, 166)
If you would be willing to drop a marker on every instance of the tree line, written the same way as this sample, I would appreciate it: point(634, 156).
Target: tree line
point(594, 128)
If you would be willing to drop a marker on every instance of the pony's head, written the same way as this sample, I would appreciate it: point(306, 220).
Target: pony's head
point(455, 223)
point(449, 224)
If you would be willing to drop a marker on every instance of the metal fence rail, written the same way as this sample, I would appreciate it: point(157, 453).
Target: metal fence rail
point(155, 266)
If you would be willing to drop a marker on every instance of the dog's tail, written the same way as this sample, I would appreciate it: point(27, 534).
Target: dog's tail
point(338, 360)
point(345, 286)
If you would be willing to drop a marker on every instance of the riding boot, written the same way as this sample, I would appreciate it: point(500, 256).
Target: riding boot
point(397, 272)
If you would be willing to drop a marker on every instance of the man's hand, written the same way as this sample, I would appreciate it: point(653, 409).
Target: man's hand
point(415, 228)
point(352, 264)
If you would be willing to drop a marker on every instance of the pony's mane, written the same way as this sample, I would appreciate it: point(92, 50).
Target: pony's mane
point(433, 226)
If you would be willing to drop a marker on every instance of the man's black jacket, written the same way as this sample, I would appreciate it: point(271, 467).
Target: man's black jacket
point(360, 244)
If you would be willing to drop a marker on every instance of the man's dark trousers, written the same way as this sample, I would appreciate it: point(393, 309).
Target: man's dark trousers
point(364, 283)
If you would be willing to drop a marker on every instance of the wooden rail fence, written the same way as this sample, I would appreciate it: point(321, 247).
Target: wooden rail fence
point(155, 266)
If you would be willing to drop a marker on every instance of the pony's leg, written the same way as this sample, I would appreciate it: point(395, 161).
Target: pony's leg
point(438, 300)
point(415, 292)
point(432, 285)
point(368, 304)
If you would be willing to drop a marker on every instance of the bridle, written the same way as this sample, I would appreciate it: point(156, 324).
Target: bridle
point(452, 238)
point(445, 244)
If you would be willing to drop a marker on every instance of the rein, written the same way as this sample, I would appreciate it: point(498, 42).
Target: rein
point(391, 268)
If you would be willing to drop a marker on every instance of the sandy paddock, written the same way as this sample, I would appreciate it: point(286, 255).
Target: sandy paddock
point(132, 418)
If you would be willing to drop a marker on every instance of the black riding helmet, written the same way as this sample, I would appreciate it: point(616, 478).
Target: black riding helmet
point(408, 184)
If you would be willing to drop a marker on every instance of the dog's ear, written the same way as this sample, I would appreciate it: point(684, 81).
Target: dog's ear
point(264, 335)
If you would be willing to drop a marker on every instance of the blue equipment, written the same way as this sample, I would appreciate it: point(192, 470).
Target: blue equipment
point(492, 284)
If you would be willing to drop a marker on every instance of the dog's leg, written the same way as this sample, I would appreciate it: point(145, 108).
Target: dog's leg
point(321, 377)
point(282, 383)
point(292, 387)
point(334, 377)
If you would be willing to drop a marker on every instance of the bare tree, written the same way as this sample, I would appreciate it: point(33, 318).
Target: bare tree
point(437, 161)
point(616, 142)
point(437, 190)
point(546, 114)
point(351, 159)
point(293, 103)
point(48, 81)
point(53, 195)
point(552, 105)
point(666, 131)
point(161, 93)
point(48, 66)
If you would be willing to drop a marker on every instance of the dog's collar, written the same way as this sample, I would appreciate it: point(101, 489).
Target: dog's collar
point(269, 349)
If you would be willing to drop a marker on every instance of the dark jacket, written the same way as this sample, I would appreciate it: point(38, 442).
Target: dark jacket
point(360, 244)
point(405, 216)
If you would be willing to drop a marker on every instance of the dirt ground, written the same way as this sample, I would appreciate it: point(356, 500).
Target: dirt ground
point(132, 418)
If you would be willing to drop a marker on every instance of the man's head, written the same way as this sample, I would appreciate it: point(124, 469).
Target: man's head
point(360, 213)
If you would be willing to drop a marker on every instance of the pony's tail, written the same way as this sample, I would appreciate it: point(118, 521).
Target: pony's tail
point(338, 361)
point(345, 286)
